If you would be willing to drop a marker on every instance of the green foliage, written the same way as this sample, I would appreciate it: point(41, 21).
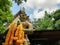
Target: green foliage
point(19, 1)
point(57, 24)
point(45, 23)
point(49, 22)
point(56, 14)
point(5, 14)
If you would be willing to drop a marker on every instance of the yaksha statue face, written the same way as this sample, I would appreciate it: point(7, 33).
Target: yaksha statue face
point(23, 17)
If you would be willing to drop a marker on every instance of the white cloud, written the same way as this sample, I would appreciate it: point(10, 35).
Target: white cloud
point(41, 3)
point(48, 5)
point(38, 15)
point(58, 1)
point(34, 3)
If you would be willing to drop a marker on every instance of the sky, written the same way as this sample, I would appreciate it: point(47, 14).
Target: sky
point(36, 8)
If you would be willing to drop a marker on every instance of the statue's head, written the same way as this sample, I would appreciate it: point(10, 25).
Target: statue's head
point(23, 10)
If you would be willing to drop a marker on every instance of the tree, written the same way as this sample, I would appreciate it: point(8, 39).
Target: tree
point(56, 16)
point(19, 1)
point(5, 14)
point(57, 24)
point(49, 22)
point(45, 23)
